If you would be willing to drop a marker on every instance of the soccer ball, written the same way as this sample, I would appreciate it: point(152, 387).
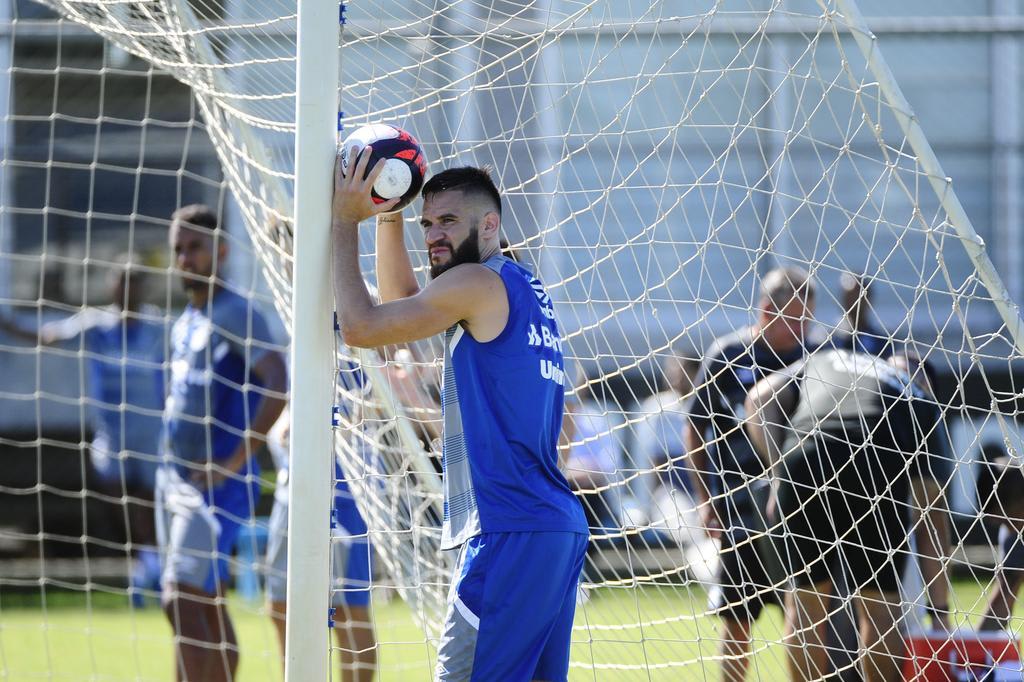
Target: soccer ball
point(404, 169)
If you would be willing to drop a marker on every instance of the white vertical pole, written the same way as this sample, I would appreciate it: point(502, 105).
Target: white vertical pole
point(1007, 163)
point(6, 135)
point(312, 351)
point(939, 181)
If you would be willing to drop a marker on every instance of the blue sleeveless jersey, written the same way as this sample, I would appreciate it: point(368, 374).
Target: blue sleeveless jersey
point(502, 403)
point(209, 401)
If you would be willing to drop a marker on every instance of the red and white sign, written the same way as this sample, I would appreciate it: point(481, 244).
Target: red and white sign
point(963, 656)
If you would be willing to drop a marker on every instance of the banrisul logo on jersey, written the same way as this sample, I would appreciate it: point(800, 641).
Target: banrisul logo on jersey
point(542, 298)
point(543, 339)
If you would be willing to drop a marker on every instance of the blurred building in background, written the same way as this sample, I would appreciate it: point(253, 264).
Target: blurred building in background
point(99, 149)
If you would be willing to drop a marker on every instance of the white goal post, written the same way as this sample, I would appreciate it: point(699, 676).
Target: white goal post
point(313, 354)
point(941, 183)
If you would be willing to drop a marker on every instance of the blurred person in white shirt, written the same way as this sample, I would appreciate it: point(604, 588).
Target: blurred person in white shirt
point(594, 462)
point(659, 454)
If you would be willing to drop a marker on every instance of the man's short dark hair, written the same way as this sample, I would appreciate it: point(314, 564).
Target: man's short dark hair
point(782, 285)
point(197, 215)
point(470, 180)
point(917, 366)
point(1007, 488)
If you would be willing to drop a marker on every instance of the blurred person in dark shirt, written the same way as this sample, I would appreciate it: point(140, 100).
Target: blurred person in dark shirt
point(1005, 504)
point(856, 330)
point(728, 477)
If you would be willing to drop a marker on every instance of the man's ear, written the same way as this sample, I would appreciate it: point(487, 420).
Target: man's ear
point(767, 306)
point(492, 221)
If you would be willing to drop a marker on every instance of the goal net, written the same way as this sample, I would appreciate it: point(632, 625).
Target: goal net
point(658, 160)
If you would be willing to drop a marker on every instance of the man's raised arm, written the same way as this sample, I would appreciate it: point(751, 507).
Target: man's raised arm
point(395, 276)
point(51, 333)
point(468, 293)
point(768, 406)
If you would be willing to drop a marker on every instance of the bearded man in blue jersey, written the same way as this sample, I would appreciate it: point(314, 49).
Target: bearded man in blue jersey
point(226, 390)
point(520, 532)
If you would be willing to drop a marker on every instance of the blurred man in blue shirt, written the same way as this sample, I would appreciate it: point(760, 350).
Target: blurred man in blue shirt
point(226, 390)
point(123, 348)
point(351, 567)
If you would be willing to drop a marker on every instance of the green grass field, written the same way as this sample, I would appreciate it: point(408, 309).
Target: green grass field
point(80, 637)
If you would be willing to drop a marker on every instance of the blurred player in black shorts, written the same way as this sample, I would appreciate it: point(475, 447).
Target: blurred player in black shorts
point(728, 478)
point(930, 476)
point(1006, 504)
point(843, 431)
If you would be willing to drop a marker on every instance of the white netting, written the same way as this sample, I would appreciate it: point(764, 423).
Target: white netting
point(657, 159)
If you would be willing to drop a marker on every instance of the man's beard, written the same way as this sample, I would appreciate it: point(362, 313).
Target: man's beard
point(468, 252)
point(192, 282)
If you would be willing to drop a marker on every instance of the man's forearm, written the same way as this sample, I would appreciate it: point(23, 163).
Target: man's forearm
point(697, 470)
point(395, 276)
point(47, 335)
point(1001, 602)
point(267, 415)
point(351, 298)
point(20, 333)
point(765, 433)
point(256, 435)
point(932, 537)
point(768, 406)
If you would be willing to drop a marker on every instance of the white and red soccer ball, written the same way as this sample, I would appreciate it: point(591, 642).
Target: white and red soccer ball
point(405, 166)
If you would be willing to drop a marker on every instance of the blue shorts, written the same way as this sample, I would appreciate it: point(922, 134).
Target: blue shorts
point(511, 607)
point(350, 555)
point(196, 539)
point(127, 471)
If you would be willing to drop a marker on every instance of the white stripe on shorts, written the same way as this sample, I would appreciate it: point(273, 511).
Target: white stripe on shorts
point(470, 617)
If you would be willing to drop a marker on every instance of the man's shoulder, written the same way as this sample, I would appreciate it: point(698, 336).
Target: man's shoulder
point(730, 346)
point(469, 287)
point(151, 318)
point(227, 299)
point(472, 276)
point(230, 309)
point(828, 355)
point(510, 270)
point(99, 327)
point(150, 314)
point(182, 318)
